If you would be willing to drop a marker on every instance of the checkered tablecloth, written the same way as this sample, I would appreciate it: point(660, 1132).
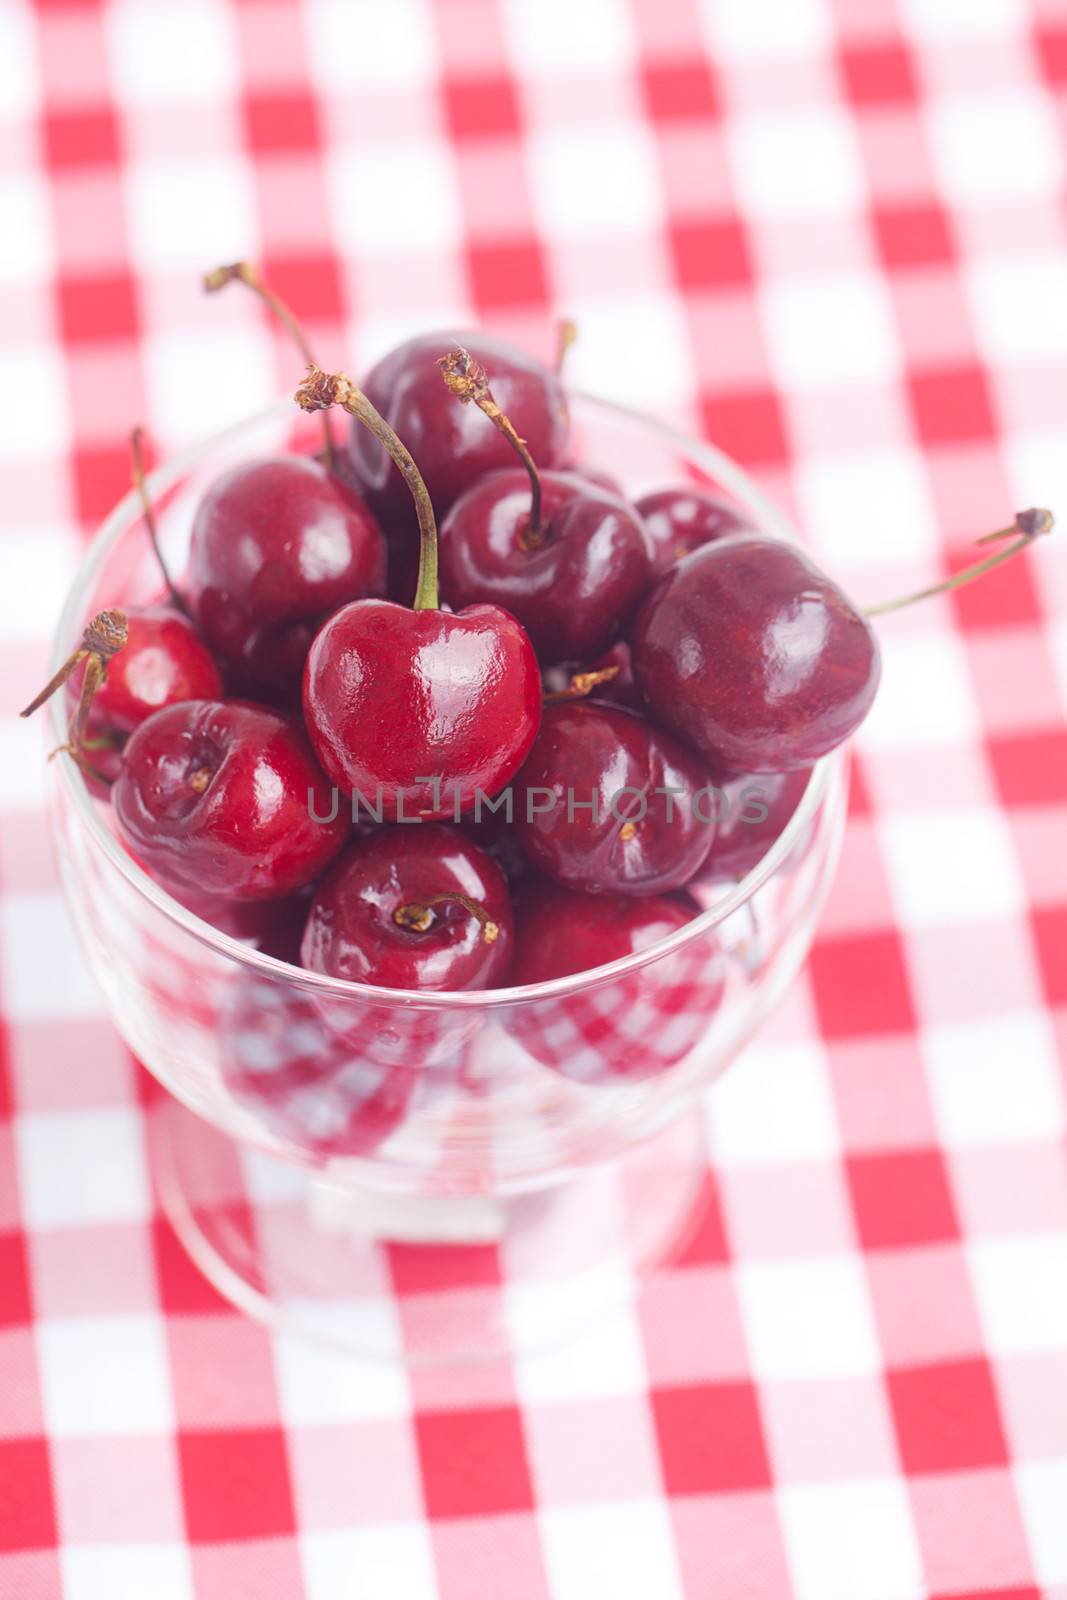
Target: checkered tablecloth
point(832, 234)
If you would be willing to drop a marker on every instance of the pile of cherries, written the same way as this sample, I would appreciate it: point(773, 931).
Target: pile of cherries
point(442, 611)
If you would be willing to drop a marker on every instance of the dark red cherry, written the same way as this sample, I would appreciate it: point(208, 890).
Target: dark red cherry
point(559, 932)
point(754, 657)
point(680, 520)
point(573, 585)
point(223, 797)
point(631, 1027)
point(277, 545)
point(416, 710)
point(753, 811)
point(164, 660)
point(639, 839)
point(453, 444)
point(412, 908)
point(307, 1087)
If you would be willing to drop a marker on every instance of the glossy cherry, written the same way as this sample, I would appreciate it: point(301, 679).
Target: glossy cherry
point(277, 545)
point(164, 660)
point(754, 657)
point(452, 444)
point(640, 839)
point(753, 811)
point(569, 558)
point(416, 710)
point(559, 932)
point(680, 520)
point(412, 908)
point(223, 797)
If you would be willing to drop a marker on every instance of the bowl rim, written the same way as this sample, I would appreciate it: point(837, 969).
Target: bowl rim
point(721, 468)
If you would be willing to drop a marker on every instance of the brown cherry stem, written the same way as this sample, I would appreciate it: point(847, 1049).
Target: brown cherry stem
point(137, 467)
point(566, 335)
point(467, 380)
point(1028, 526)
point(581, 684)
point(418, 915)
point(102, 639)
point(248, 274)
point(320, 390)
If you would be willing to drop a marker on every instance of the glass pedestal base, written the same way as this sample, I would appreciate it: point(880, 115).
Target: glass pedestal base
point(424, 1279)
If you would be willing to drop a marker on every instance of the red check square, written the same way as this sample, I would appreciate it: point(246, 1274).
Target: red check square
point(478, 108)
point(708, 254)
point(508, 274)
point(81, 138)
point(1031, 769)
point(15, 1304)
point(281, 122)
point(1050, 930)
point(27, 1517)
point(901, 1198)
point(235, 1485)
point(861, 986)
point(747, 425)
point(913, 235)
point(878, 74)
point(473, 1462)
point(947, 1417)
point(710, 1438)
point(952, 406)
point(680, 90)
point(98, 309)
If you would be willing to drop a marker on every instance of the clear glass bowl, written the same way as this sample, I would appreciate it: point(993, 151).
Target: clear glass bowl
point(331, 1116)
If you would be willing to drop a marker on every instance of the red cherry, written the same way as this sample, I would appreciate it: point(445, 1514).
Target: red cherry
point(416, 711)
point(568, 557)
point(753, 811)
point(453, 445)
point(638, 841)
point(164, 660)
point(641, 1024)
point(754, 657)
point(222, 797)
point(280, 1061)
point(680, 520)
point(574, 586)
point(276, 546)
point(412, 908)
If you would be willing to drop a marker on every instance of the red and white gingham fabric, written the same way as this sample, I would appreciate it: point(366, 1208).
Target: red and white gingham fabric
point(833, 235)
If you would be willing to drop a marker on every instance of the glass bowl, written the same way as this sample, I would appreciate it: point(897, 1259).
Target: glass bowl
point(318, 1137)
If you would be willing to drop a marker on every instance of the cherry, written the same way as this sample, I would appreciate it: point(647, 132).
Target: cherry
point(281, 1063)
point(639, 839)
point(222, 797)
point(751, 655)
point(412, 908)
point(163, 661)
point(568, 558)
point(632, 1027)
point(277, 545)
point(416, 710)
point(560, 932)
point(453, 445)
point(680, 520)
point(753, 811)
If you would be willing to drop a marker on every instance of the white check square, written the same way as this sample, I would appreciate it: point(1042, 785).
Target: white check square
point(796, 163)
point(926, 696)
point(126, 1572)
point(20, 85)
point(868, 509)
point(105, 1375)
point(183, 213)
point(624, 1550)
point(780, 1108)
point(995, 1081)
point(316, 1385)
point(171, 52)
point(1020, 1284)
point(601, 180)
point(952, 866)
point(831, 330)
point(808, 1318)
point(996, 146)
point(36, 422)
point(81, 1167)
point(391, 1559)
point(738, 30)
point(45, 971)
point(377, 47)
point(554, 37)
point(1020, 306)
point(851, 1541)
point(1042, 1490)
point(24, 208)
point(395, 197)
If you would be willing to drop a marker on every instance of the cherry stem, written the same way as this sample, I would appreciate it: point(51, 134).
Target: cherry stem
point(1028, 526)
point(418, 915)
point(566, 335)
point(244, 272)
point(137, 464)
point(102, 639)
point(581, 684)
point(467, 380)
point(320, 390)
